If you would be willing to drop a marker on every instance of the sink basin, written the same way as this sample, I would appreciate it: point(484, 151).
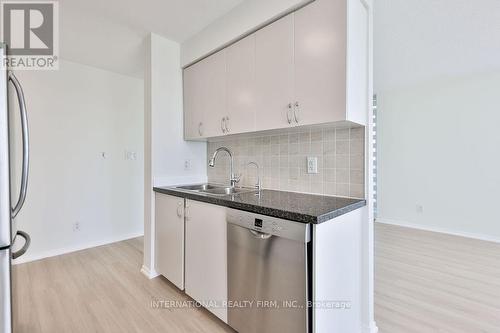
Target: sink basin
point(217, 190)
point(199, 187)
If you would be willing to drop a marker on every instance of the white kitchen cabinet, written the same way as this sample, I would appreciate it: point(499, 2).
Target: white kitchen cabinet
point(206, 255)
point(240, 62)
point(169, 242)
point(274, 75)
point(310, 67)
point(205, 97)
point(320, 62)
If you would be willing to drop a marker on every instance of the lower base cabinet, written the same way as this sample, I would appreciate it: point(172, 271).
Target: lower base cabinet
point(206, 256)
point(169, 242)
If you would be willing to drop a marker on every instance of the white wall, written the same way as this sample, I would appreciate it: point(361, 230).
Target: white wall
point(165, 149)
point(439, 148)
point(76, 113)
point(238, 21)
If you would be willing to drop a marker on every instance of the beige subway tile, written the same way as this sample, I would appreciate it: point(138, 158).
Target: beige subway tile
point(357, 177)
point(275, 149)
point(358, 133)
point(293, 149)
point(342, 134)
point(342, 190)
point(357, 162)
point(357, 191)
point(284, 149)
point(304, 186)
point(329, 175)
point(305, 137)
point(317, 187)
point(284, 161)
point(266, 140)
point(293, 138)
point(329, 147)
point(330, 188)
point(275, 162)
point(357, 147)
point(342, 147)
point(293, 173)
point(304, 148)
point(316, 136)
point(342, 161)
point(275, 140)
point(342, 176)
point(283, 139)
point(329, 161)
point(316, 148)
point(329, 134)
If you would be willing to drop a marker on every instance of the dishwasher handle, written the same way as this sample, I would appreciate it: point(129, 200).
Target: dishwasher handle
point(260, 235)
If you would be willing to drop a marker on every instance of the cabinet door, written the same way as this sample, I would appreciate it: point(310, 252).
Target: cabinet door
point(193, 112)
point(320, 62)
point(241, 85)
point(205, 97)
point(169, 242)
point(213, 100)
point(206, 255)
point(274, 74)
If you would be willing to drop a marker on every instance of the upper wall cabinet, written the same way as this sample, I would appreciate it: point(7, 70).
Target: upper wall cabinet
point(240, 86)
point(320, 62)
point(309, 67)
point(274, 75)
point(205, 97)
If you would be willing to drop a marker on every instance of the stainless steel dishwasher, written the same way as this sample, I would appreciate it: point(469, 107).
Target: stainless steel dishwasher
point(267, 262)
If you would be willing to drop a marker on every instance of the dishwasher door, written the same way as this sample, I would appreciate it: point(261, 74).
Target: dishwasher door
point(267, 274)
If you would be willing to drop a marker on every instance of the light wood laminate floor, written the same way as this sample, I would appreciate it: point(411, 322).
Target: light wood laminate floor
point(100, 290)
point(431, 282)
point(425, 282)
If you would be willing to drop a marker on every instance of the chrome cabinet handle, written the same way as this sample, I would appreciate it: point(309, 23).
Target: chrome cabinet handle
point(288, 113)
point(186, 212)
point(225, 123)
point(296, 112)
point(26, 153)
point(200, 128)
point(27, 242)
point(179, 209)
point(222, 124)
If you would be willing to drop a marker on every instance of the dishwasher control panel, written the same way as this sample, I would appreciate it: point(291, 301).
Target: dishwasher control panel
point(269, 225)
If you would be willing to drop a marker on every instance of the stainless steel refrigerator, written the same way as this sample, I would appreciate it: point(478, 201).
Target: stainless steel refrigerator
point(11, 201)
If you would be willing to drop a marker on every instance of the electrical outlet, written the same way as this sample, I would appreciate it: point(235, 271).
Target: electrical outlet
point(76, 226)
point(419, 208)
point(187, 165)
point(130, 155)
point(312, 165)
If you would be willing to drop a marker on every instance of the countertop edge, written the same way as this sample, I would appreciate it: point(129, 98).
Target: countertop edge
point(293, 216)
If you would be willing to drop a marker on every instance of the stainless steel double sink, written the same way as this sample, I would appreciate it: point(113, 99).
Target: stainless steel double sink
point(215, 189)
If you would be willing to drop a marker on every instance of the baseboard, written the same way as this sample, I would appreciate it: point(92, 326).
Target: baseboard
point(438, 230)
point(149, 273)
point(57, 252)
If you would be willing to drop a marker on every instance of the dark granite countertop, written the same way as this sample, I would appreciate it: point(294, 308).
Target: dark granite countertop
point(299, 207)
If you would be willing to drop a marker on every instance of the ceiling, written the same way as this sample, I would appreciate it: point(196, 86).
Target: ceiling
point(110, 34)
point(421, 40)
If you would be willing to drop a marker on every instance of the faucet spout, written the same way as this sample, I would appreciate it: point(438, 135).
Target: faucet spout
point(211, 163)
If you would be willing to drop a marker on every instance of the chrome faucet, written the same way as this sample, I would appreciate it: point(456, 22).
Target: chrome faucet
point(258, 186)
point(233, 178)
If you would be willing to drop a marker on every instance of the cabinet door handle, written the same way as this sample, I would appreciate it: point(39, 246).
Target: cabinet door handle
point(222, 125)
point(226, 124)
point(200, 128)
point(289, 113)
point(179, 209)
point(296, 112)
point(186, 213)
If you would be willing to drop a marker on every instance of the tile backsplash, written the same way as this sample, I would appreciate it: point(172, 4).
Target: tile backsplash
point(283, 160)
